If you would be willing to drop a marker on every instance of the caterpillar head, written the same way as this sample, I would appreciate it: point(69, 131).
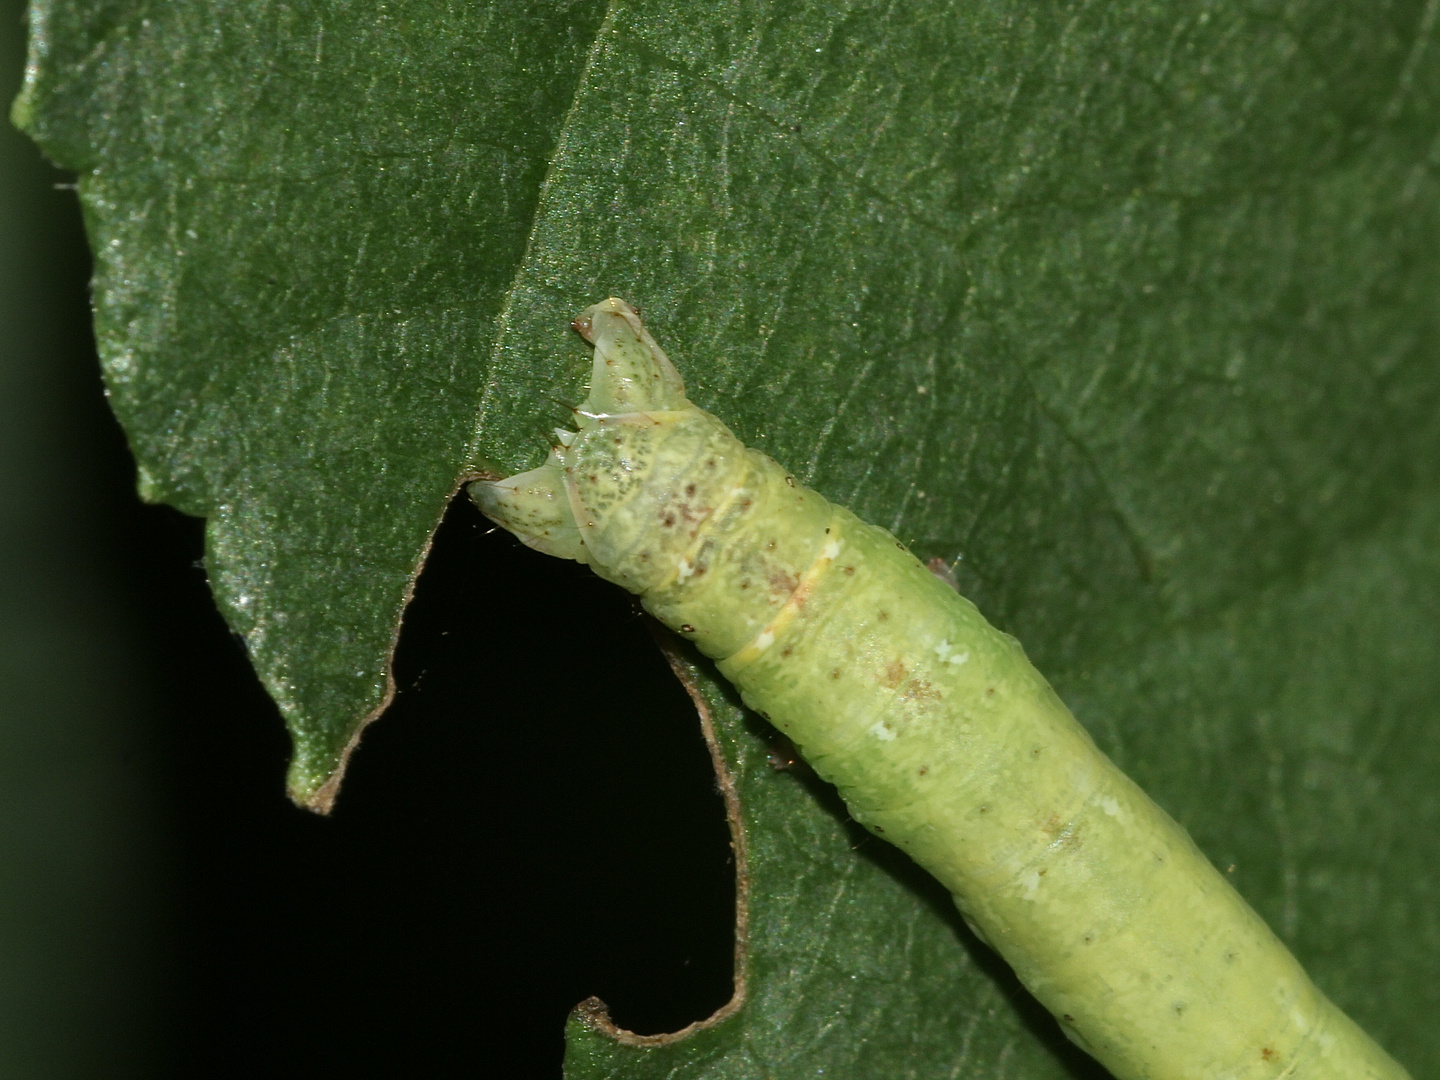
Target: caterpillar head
point(605, 495)
point(660, 497)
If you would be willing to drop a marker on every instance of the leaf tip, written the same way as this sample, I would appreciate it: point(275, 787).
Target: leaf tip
point(313, 783)
point(317, 767)
point(319, 799)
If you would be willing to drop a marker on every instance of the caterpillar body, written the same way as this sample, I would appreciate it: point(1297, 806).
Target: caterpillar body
point(934, 727)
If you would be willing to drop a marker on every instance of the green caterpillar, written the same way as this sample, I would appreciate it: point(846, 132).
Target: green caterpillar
point(938, 733)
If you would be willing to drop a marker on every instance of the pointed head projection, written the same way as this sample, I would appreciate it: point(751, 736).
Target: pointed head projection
point(631, 372)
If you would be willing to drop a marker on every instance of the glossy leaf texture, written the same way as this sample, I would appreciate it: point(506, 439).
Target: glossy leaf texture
point(1131, 308)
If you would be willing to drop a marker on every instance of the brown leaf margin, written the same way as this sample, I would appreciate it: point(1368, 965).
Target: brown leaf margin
point(320, 799)
point(594, 1013)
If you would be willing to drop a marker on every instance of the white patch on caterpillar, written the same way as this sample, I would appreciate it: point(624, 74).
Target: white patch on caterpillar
point(947, 654)
point(683, 570)
point(1030, 882)
point(764, 641)
point(882, 731)
point(1111, 806)
point(830, 550)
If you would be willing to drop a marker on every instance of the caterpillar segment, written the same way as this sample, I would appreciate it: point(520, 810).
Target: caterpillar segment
point(939, 734)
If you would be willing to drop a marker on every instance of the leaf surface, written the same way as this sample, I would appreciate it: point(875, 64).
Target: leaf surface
point(306, 219)
point(1131, 308)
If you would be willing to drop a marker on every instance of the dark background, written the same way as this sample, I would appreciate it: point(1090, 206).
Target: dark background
point(498, 853)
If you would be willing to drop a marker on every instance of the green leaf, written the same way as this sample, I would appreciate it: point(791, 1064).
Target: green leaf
point(306, 221)
point(1130, 307)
